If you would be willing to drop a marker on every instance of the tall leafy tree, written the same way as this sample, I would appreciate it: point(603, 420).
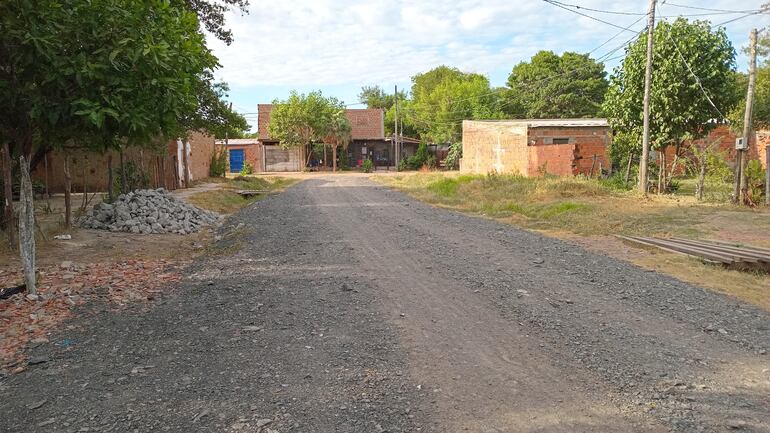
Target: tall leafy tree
point(100, 74)
point(550, 86)
point(443, 97)
point(212, 14)
point(338, 130)
point(300, 121)
point(679, 107)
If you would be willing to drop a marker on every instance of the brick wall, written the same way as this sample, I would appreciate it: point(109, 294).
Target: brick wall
point(494, 147)
point(576, 157)
point(252, 153)
point(90, 168)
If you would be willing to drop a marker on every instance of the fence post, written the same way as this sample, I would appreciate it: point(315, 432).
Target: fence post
point(767, 174)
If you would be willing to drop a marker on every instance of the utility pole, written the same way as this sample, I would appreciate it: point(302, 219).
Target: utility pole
point(647, 83)
point(742, 158)
point(395, 130)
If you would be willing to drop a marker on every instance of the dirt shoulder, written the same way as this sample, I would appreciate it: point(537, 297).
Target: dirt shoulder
point(588, 214)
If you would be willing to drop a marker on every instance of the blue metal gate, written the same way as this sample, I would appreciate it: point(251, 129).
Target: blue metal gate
point(236, 160)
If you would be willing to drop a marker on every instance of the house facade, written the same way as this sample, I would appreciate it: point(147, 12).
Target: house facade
point(562, 147)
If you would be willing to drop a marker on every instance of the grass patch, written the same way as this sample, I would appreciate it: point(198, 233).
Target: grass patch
point(226, 200)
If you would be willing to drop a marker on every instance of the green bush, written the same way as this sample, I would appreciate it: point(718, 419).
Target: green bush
point(367, 166)
point(218, 166)
point(247, 169)
point(755, 180)
point(452, 160)
point(416, 161)
point(343, 162)
point(403, 165)
point(430, 162)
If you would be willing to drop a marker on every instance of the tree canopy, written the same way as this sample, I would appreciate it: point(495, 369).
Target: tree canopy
point(550, 86)
point(679, 108)
point(304, 119)
point(103, 73)
point(443, 97)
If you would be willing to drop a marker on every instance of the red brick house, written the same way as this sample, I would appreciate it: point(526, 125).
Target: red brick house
point(368, 136)
point(534, 147)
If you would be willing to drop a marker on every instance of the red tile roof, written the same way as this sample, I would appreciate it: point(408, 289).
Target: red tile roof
point(367, 123)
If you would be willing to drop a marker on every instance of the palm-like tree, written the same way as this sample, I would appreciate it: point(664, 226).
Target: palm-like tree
point(339, 134)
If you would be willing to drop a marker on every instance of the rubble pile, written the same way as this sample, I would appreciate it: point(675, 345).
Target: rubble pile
point(147, 211)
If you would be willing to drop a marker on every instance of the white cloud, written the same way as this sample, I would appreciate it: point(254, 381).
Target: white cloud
point(346, 42)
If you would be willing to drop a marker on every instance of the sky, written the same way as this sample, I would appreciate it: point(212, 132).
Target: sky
point(338, 46)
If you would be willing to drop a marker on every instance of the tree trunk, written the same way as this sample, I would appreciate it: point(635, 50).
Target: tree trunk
point(701, 180)
point(628, 167)
point(8, 216)
point(123, 177)
point(67, 192)
point(661, 169)
point(334, 158)
point(109, 178)
point(27, 228)
point(186, 164)
point(85, 187)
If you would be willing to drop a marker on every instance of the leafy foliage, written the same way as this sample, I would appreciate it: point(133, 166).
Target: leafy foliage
point(218, 167)
point(302, 120)
point(452, 160)
point(247, 169)
point(212, 15)
point(136, 178)
point(678, 107)
point(550, 86)
point(443, 97)
point(367, 166)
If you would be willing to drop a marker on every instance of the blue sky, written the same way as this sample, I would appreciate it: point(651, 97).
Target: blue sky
point(340, 46)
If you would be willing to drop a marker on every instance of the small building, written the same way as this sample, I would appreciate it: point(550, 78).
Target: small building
point(534, 147)
point(368, 141)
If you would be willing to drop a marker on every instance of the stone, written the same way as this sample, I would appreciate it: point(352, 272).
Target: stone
point(35, 360)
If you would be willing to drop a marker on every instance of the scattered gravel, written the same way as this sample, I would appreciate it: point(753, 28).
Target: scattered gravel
point(340, 305)
point(147, 211)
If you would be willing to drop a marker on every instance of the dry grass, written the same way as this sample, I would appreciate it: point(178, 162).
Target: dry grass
point(585, 209)
point(226, 200)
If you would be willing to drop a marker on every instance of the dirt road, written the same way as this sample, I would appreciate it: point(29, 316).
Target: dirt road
point(343, 306)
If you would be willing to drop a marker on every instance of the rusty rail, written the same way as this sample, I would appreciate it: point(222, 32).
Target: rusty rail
point(709, 251)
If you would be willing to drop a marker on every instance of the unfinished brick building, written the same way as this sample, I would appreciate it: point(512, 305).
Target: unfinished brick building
point(562, 147)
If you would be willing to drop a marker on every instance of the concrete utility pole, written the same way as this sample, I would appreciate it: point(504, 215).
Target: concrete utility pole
point(647, 83)
point(742, 158)
point(396, 147)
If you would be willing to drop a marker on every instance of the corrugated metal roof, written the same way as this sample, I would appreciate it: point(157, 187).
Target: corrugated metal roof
point(541, 123)
point(239, 141)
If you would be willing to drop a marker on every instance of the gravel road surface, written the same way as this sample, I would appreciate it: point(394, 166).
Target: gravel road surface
point(343, 306)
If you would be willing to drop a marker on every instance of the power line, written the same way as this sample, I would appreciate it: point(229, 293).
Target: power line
point(709, 9)
point(554, 3)
point(760, 12)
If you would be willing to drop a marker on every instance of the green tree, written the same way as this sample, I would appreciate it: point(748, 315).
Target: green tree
point(100, 74)
point(376, 97)
point(550, 86)
point(679, 108)
point(338, 130)
point(300, 121)
point(443, 97)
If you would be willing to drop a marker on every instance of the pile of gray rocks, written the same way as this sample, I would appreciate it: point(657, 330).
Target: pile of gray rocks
point(147, 211)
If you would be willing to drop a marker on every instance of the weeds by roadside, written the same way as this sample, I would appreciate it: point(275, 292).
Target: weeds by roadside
point(226, 200)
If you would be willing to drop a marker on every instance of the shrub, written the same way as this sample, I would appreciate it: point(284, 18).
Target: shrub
point(247, 169)
point(419, 158)
point(343, 161)
point(403, 165)
point(755, 181)
point(367, 166)
point(452, 161)
point(218, 166)
point(430, 163)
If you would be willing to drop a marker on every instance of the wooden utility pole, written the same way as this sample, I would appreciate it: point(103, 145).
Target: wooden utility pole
point(396, 147)
point(742, 158)
point(647, 84)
